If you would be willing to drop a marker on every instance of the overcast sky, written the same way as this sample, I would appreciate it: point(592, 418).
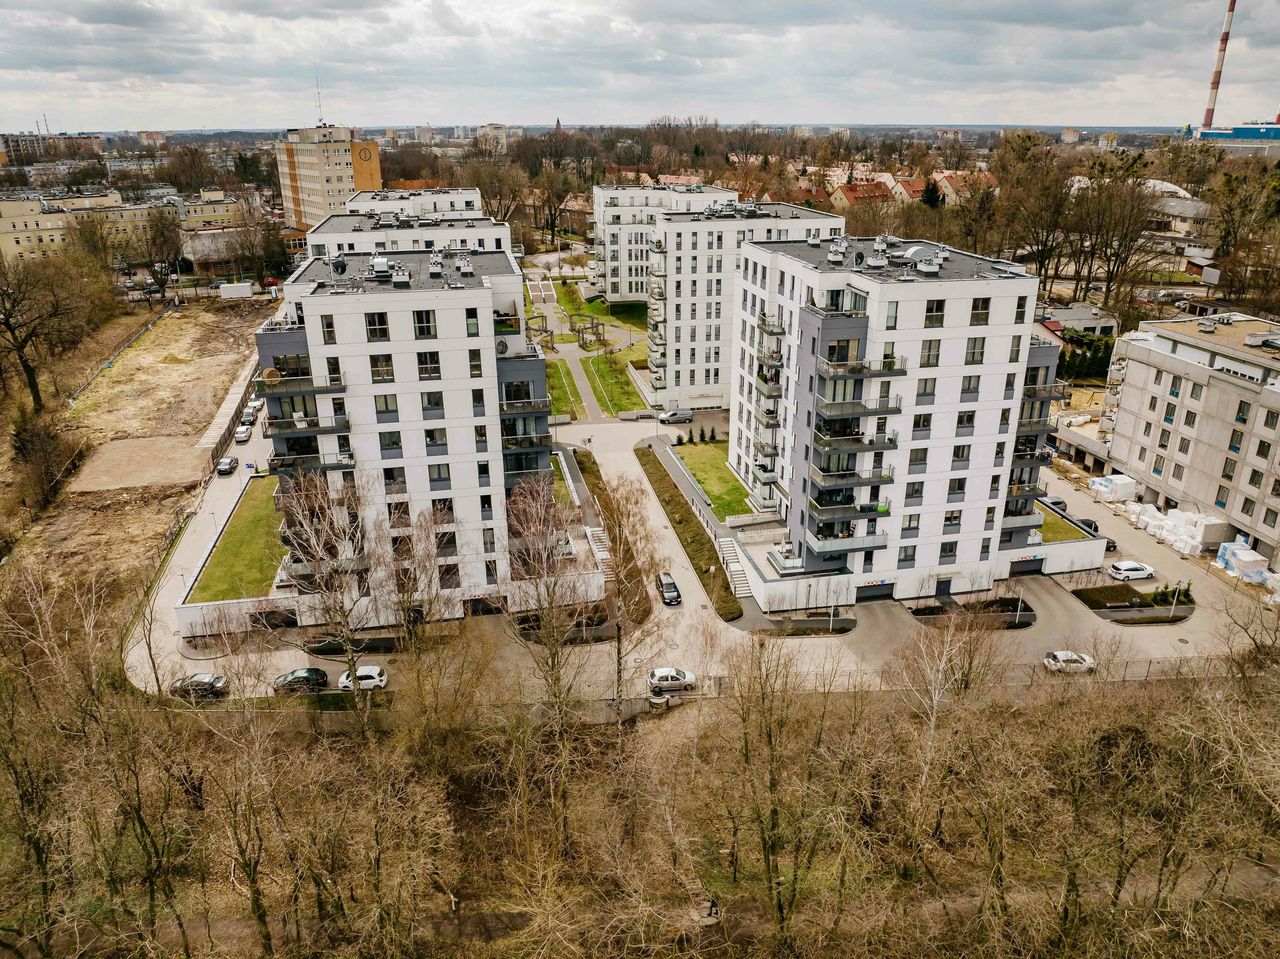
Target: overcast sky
point(171, 64)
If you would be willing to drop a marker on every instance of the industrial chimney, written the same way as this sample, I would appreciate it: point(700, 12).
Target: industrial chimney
point(1217, 67)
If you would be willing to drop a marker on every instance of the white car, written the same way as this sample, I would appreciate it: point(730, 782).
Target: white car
point(244, 434)
point(369, 677)
point(667, 678)
point(1126, 569)
point(1065, 661)
point(256, 404)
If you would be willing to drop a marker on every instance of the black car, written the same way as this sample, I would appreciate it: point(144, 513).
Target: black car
point(668, 590)
point(153, 291)
point(227, 465)
point(1090, 524)
point(308, 679)
point(199, 686)
point(1111, 545)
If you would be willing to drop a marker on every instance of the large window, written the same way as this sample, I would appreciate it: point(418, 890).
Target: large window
point(376, 328)
point(432, 405)
point(933, 312)
point(930, 352)
point(980, 311)
point(424, 324)
point(473, 321)
point(975, 349)
point(429, 365)
point(381, 368)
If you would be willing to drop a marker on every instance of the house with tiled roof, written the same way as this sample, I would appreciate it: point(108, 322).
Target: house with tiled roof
point(847, 196)
point(958, 185)
point(908, 189)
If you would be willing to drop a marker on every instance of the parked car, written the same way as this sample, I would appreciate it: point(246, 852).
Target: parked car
point(1065, 661)
point(270, 282)
point(249, 416)
point(1111, 545)
point(1090, 524)
point(1057, 502)
point(668, 590)
point(153, 291)
point(367, 677)
point(667, 678)
point(244, 434)
point(129, 284)
point(676, 416)
point(1126, 569)
point(256, 404)
point(227, 465)
point(307, 679)
point(199, 686)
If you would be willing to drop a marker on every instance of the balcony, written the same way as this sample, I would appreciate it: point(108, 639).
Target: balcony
point(1031, 457)
point(826, 545)
point(1014, 519)
point(1031, 427)
point(766, 448)
point(514, 477)
point(657, 246)
point(771, 325)
point(834, 409)
point(769, 388)
point(1025, 491)
point(859, 369)
point(657, 314)
point(1060, 390)
point(854, 442)
point(768, 416)
point(657, 290)
point(657, 336)
point(506, 324)
point(764, 474)
point(771, 359)
point(300, 425)
point(288, 463)
point(657, 360)
point(658, 268)
point(838, 511)
point(845, 479)
point(289, 385)
point(541, 404)
point(526, 441)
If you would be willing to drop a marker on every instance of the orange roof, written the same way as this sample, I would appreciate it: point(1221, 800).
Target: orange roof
point(913, 185)
point(867, 192)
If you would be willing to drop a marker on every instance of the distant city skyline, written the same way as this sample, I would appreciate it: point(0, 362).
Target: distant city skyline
point(251, 64)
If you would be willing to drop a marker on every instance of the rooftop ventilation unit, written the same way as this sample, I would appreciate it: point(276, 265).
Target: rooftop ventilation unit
point(400, 275)
point(436, 266)
point(834, 255)
point(814, 241)
point(1207, 326)
point(465, 267)
point(877, 261)
point(928, 267)
point(380, 266)
point(880, 244)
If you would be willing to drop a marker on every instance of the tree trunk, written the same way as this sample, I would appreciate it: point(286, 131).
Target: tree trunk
point(33, 382)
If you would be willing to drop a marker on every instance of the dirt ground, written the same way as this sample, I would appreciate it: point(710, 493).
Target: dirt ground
point(172, 380)
point(145, 461)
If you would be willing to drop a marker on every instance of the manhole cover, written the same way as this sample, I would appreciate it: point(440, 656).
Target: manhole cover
point(673, 645)
point(1184, 641)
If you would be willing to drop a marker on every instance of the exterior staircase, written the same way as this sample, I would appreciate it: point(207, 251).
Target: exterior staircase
point(599, 543)
point(732, 561)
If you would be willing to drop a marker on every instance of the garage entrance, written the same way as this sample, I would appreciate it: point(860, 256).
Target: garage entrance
point(1025, 567)
point(875, 591)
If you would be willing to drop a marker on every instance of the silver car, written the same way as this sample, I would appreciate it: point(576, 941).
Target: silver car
point(667, 679)
point(676, 416)
point(1065, 661)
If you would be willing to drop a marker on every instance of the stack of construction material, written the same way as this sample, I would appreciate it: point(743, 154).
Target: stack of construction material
point(1239, 560)
point(1113, 489)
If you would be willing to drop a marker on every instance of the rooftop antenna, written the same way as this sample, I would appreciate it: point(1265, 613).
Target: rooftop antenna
point(320, 108)
point(1217, 67)
point(46, 123)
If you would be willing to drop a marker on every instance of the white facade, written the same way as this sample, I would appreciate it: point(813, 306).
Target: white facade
point(890, 402)
point(694, 260)
point(451, 201)
point(394, 232)
point(624, 216)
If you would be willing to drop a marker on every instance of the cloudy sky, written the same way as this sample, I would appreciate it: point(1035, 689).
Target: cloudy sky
point(157, 64)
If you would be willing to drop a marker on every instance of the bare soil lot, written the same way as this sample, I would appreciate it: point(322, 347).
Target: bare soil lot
point(145, 461)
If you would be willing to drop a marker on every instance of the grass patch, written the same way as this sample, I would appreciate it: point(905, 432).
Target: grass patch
point(709, 464)
point(1056, 529)
point(244, 561)
point(635, 595)
point(528, 301)
point(634, 315)
point(565, 398)
point(610, 382)
point(559, 486)
point(1100, 597)
point(697, 544)
point(563, 338)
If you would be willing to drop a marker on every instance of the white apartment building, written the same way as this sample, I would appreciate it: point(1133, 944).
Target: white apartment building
point(623, 217)
point(411, 373)
point(445, 201)
point(694, 259)
point(396, 232)
point(890, 404)
point(1194, 413)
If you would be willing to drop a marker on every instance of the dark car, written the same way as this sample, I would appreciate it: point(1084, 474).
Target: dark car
point(199, 686)
point(1090, 524)
point(227, 465)
point(1111, 545)
point(153, 291)
point(668, 590)
point(308, 679)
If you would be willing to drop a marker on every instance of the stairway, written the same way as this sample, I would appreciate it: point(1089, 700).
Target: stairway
point(599, 543)
point(728, 550)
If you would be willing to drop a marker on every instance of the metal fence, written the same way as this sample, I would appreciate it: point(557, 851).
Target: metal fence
point(220, 447)
point(121, 345)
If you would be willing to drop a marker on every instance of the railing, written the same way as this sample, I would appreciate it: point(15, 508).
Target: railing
point(280, 462)
point(769, 388)
point(844, 544)
point(526, 441)
point(766, 448)
point(830, 310)
point(886, 404)
point(318, 383)
point(280, 425)
point(785, 563)
point(541, 404)
point(771, 358)
point(658, 360)
point(1042, 425)
point(768, 417)
point(512, 477)
point(283, 324)
point(834, 511)
point(1025, 457)
point(771, 325)
point(855, 441)
point(1036, 391)
point(828, 479)
point(1025, 491)
point(764, 474)
point(889, 366)
point(505, 324)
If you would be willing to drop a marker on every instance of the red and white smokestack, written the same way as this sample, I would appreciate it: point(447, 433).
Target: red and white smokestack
point(1217, 67)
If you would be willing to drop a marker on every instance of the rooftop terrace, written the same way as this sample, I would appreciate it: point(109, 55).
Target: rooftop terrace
point(747, 211)
point(1246, 336)
point(401, 270)
point(355, 222)
point(890, 260)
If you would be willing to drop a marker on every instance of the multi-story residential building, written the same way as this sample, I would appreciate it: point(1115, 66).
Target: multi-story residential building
point(890, 403)
point(492, 137)
point(211, 208)
point(693, 261)
point(21, 149)
point(31, 228)
point(320, 169)
point(1194, 417)
point(624, 216)
point(411, 374)
point(393, 232)
point(445, 201)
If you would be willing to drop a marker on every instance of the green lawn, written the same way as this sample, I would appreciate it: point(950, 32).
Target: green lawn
point(1058, 530)
point(634, 315)
point(244, 562)
point(565, 398)
point(708, 462)
point(559, 487)
point(697, 544)
point(610, 382)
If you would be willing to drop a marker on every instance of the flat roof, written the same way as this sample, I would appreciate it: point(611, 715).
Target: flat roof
point(358, 278)
point(1225, 336)
point(756, 211)
point(408, 194)
point(666, 187)
point(347, 222)
point(902, 256)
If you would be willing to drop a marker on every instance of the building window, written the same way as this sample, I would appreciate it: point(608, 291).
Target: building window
point(1020, 314)
point(393, 479)
point(380, 368)
point(951, 520)
point(947, 552)
point(424, 324)
point(1228, 469)
point(473, 321)
point(933, 312)
point(975, 349)
point(922, 423)
point(970, 384)
point(1247, 506)
point(930, 351)
point(960, 453)
point(1237, 438)
point(980, 311)
point(376, 327)
point(1269, 421)
point(477, 402)
point(925, 386)
point(389, 443)
point(906, 555)
point(327, 332)
point(433, 405)
point(1264, 449)
point(386, 407)
point(956, 486)
point(1269, 517)
point(429, 366)
point(1015, 349)
point(965, 420)
point(438, 475)
point(473, 359)
point(1242, 411)
point(1177, 471)
point(449, 578)
point(1189, 418)
point(437, 441)
point(1196, 391)
point(891, 316)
